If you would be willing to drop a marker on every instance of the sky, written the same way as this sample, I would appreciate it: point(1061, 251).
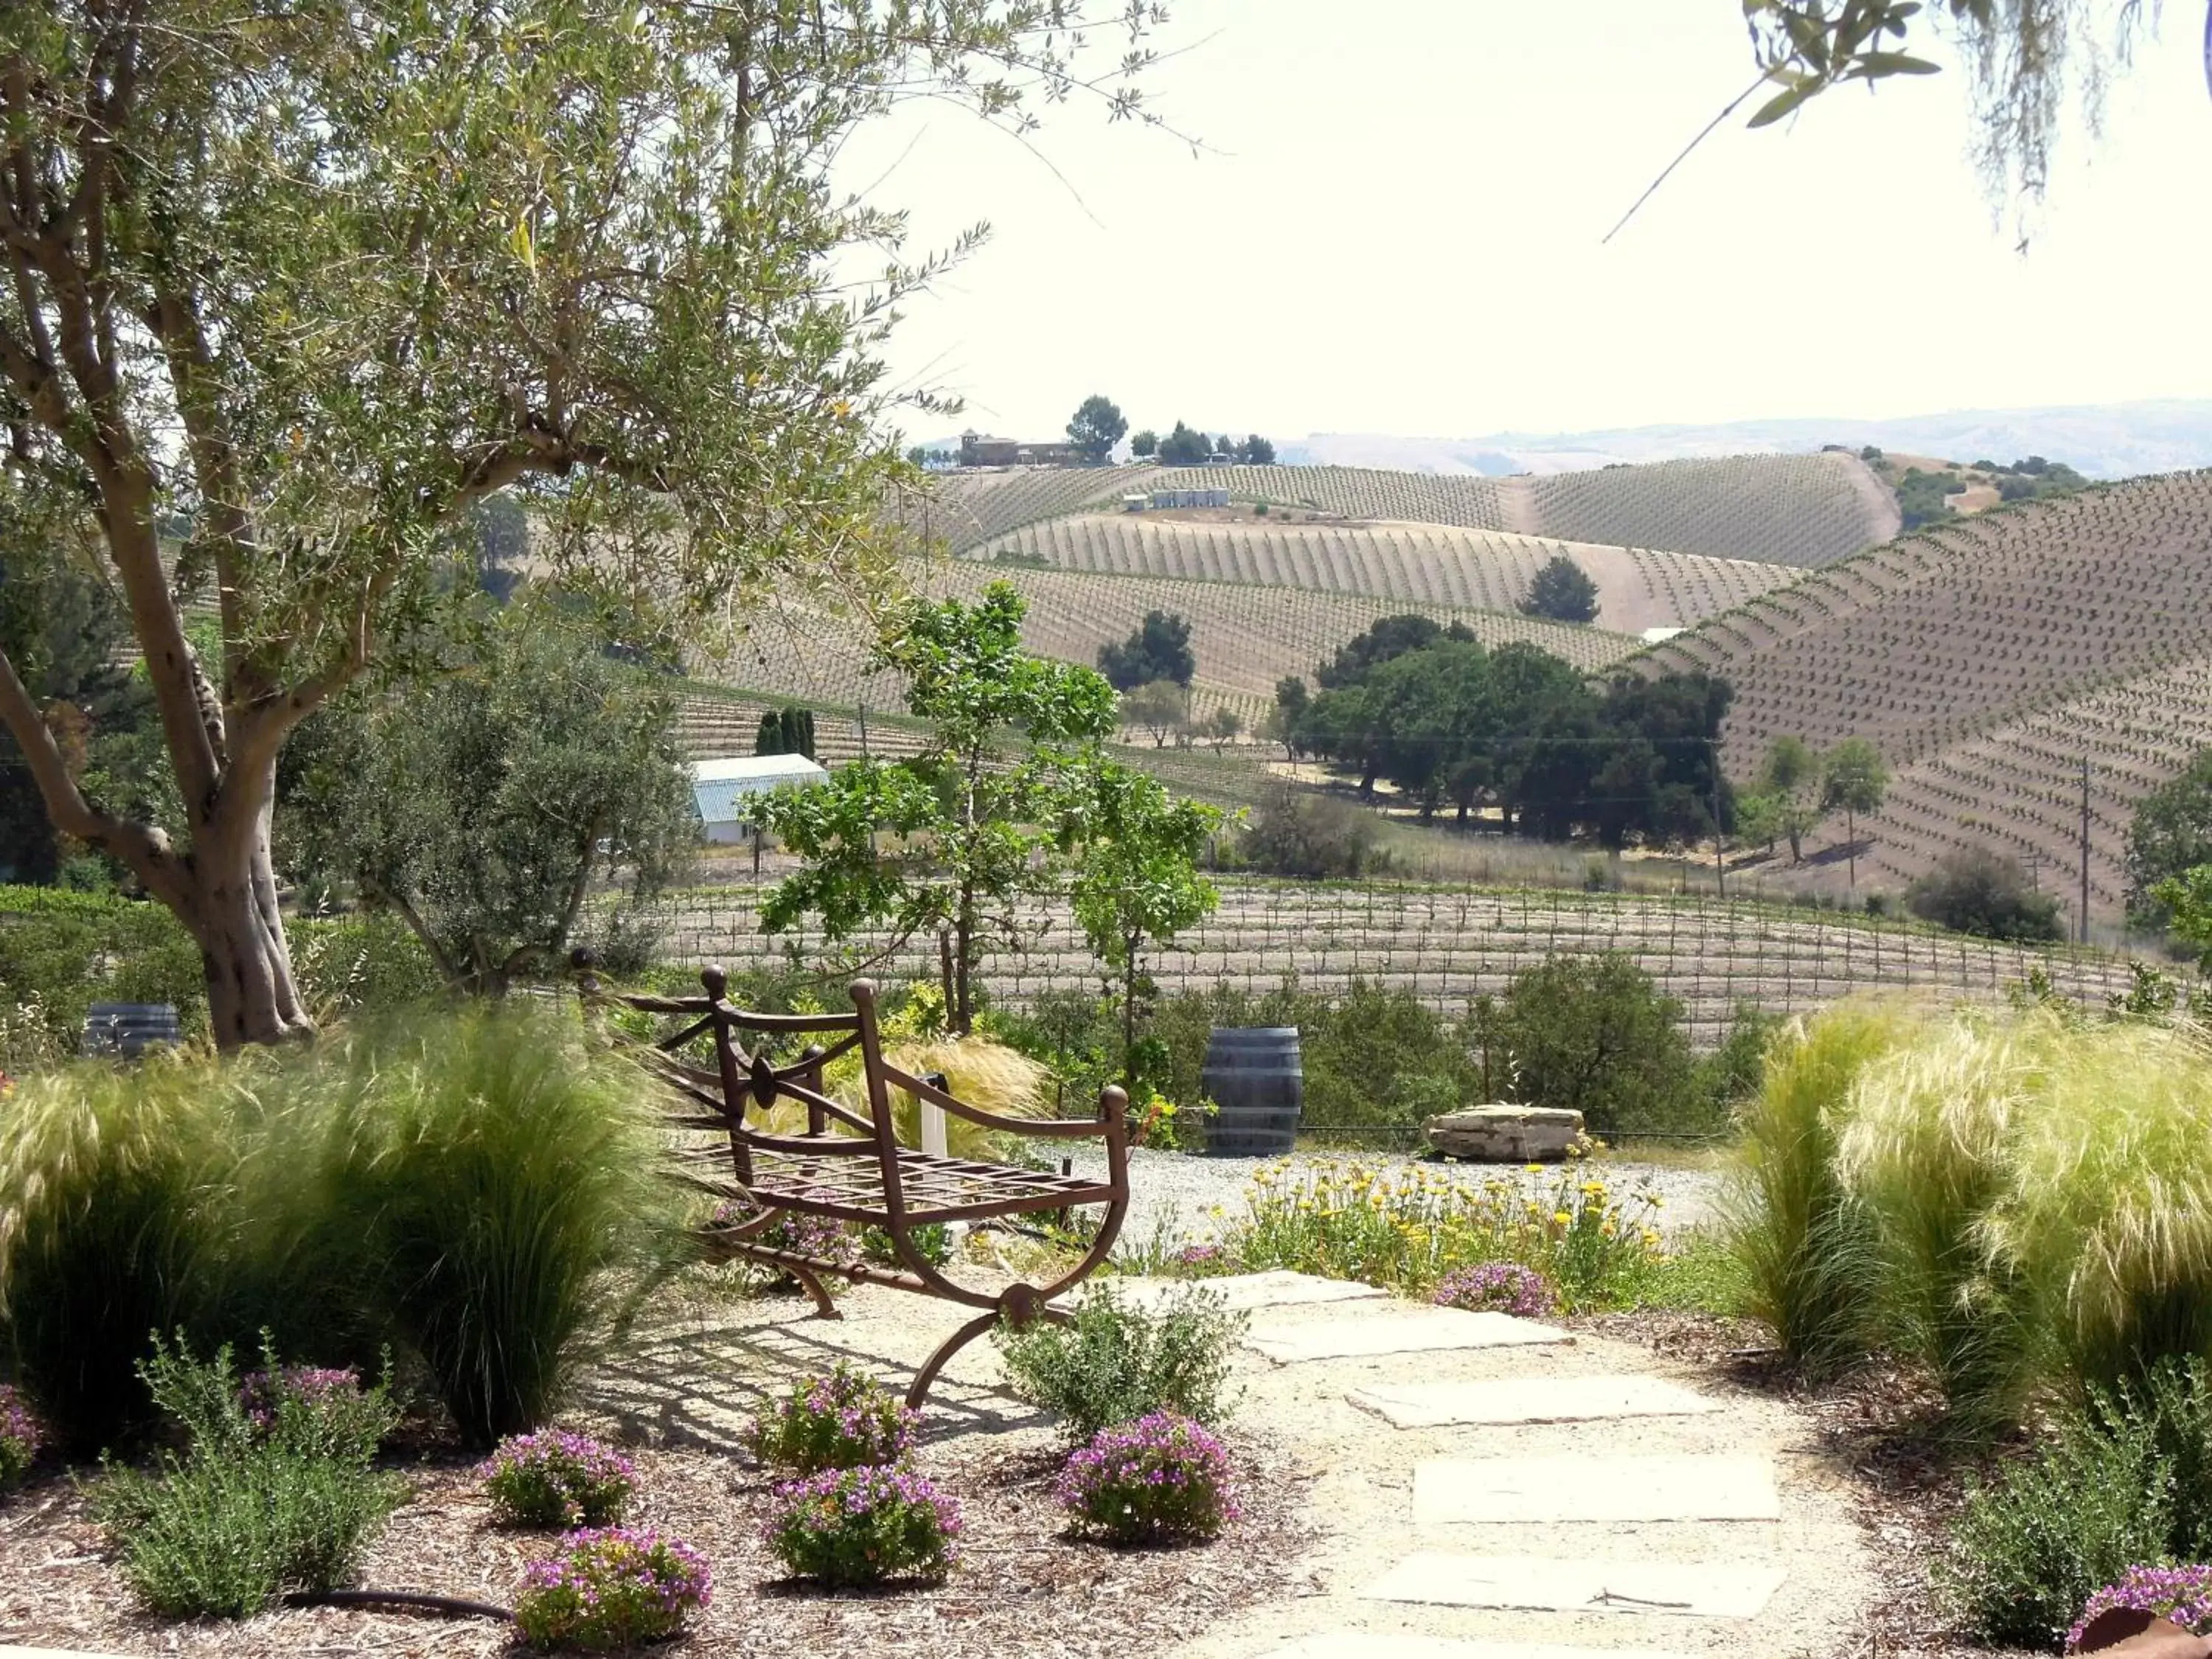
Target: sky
point(1392, 223)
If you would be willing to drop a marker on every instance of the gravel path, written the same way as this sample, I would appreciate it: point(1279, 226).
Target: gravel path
point(1174, 1194)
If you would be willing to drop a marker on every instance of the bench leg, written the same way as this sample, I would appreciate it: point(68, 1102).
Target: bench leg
point(823, 1307)
point(952, 1345)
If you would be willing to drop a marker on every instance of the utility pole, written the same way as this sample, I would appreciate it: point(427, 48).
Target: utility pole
point(862, 710)
point(2085, 850)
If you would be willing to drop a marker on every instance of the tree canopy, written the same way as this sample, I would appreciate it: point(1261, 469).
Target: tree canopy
point(1562, 591)
point(1158, 648)
point(1450, 722)
point(1184, 447)
point(1097, 427)
point(294, 283)
point(2170, 835)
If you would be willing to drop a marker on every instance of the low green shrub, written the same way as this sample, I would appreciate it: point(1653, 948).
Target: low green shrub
point(1982, 892)
point(1161, 1479)
point(554, 1479)
point(846, 1527)
point(845, 1420)
point(2119, 1484)
point(1113, 1364)
point(612, 1590)
point(251, 1510)
point(1596, 1034)
point(61, 952)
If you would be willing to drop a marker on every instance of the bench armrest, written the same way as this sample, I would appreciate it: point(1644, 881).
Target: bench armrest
point(1113, 1107)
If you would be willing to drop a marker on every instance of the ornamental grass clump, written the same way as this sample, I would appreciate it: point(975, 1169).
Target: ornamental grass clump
point(845, 1420)
point(1113, 1364)
point(20, 1437)
point(611, 1588)
point(848, 1527)
point(1805, 1247)
point(1161, 1479)
point(1505, 1287)
point(2181, 1594)
point(554, 1479)
point(1405, 1230)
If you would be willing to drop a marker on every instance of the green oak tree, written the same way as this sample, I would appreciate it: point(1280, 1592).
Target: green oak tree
point(2170, 834)
point(975, 821)
point(1853, 778)
point(1145, 445)
point(292, 284)
point(1158, 648)
point(1561, 591)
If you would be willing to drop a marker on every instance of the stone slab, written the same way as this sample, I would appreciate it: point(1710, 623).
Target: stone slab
point(1243, 1292)
point(1518, 1400)
point(1542, 1584)
point(1405, 1645)
point(1506, 1134)
point(1421, 1330)
point(1596, 1488)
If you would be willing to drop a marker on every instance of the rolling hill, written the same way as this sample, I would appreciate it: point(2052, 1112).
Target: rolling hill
point(1803, 510)
point(1987, 658)
point(1245, 637)
point(1418, 563)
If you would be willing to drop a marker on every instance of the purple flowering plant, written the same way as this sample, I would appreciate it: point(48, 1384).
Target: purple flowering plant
point(314, 1410)
point(556, 1478)
point(20, 1436)
point(2183, 1594)
point(1160, 1479)
point(611, 1587)
point(845, 1527)
point(1505, 1287)
point(845, 1420)
point(1202, 1262)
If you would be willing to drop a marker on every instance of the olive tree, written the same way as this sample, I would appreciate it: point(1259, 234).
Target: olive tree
point(291, 285)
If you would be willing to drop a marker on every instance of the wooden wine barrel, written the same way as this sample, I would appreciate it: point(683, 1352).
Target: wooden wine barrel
point(1254, 1076)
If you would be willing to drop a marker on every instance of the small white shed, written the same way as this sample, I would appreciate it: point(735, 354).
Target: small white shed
point(720, 788)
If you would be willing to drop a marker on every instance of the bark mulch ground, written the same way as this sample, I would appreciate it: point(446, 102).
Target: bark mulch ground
point(1021, 1585)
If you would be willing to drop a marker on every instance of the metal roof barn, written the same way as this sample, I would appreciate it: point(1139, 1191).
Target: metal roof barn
point(720, 787)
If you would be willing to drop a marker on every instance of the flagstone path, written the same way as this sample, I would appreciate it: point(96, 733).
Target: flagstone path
point(1479, 1486)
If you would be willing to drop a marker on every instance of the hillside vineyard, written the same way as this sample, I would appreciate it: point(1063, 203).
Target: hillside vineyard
point(1986, 659)
point(1419, 563)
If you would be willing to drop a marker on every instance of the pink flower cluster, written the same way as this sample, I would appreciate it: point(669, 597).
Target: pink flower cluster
point(261, 1393)
point(816, 1236)
point(1161, 1478)
point(556, 1479)
point(1203, 1260)
point(844, 1420)
point(613, 1587)
point(20, 1437)
point(862, 1526)
point(1496, 1287)
point(2183, 1594)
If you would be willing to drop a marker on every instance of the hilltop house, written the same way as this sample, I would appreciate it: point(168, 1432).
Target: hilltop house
point(981, 449)
point(720, 789)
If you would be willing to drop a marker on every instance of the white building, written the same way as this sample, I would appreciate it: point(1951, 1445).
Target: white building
point(720, 788)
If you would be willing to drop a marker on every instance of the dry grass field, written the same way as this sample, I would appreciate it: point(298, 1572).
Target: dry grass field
point(1419, 564)
point(1986, 659)
point(1246, 638)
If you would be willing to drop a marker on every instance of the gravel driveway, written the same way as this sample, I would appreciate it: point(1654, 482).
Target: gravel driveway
point(1176, 1193)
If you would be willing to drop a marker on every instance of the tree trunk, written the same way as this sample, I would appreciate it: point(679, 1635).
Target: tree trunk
point(1129, 1023)
point(233, 917)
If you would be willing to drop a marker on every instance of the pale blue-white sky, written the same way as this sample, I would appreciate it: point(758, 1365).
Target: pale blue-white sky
point(1394, 226)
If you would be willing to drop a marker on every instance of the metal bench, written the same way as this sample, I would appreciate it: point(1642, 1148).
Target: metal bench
point(850, 1167)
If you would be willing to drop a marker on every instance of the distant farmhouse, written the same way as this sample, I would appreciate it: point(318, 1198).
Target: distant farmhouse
point(981, 449)
point(720, 788)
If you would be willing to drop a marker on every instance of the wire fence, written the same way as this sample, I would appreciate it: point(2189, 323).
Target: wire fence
point(1449, 944)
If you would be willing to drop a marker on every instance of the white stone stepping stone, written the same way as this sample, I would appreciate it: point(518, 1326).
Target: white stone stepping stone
point(1539, 1583)
point(1518, 1400)
point(1352, 1645)
point(1423, 1330)
point(1591, 1488)
point(1241, 1292)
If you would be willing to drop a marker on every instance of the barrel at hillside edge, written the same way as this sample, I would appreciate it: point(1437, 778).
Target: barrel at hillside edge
point(130, 1029)
point(1254, 1076)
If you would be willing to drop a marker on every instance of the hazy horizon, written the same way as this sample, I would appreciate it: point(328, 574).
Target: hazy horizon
point(1395, 228)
